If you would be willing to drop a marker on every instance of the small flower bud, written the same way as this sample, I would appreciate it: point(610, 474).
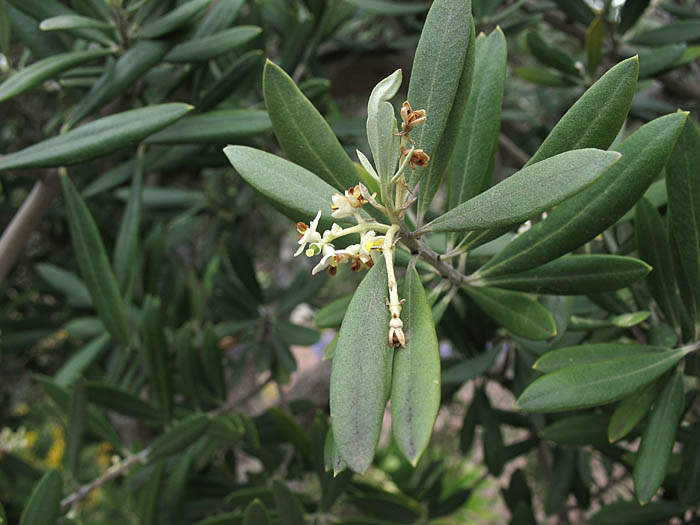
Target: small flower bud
point(419, 158)
point(396, 335)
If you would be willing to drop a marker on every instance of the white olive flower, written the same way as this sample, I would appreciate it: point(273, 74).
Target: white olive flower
point(308, 234)
point(369, 246)
point(348, 204)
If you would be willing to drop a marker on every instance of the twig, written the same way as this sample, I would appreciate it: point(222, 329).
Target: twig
point(431, 257)
point(25, 220)
point(138, 459)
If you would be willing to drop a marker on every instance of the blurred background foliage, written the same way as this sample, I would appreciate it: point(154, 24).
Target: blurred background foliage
point(213, 409)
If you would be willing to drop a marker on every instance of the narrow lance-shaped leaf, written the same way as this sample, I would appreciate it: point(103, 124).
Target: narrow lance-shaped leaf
point(299, 193)
point(390, 7)
point(361, 376)
point(184, 14)
point(550, 55)
point(593, 353)
point(381, 126)
point(690, 469)
point(594, 43)
point(515, 311)
point(45, 502)
point(683, 185)
point(255, 514)
point(653, 246)
point(213, 45)
point(131, 66)
point(303, 133)
point(579, 219)
point(220, 126)
point(630, 13)
point(63, 22)
point(532, 190)
point(437, 70)
point(432, 175)
point(415, 384)
point(155, 353)
point(96, 139)
point(230, 79)
point(598, 383)
point(76, 426)
point(597, 116)
point(575, 274)
point(127, 244)
point(45, 69)
point(287, 504)
point(481, 121)
point(659, 436)
point(94, 265)
point(683, 31)
point(5, 29)
point(179, 437)
point(631, 411)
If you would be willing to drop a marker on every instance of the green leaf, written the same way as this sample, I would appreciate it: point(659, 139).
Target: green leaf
point(155, 354)
point(94, 265)
point(659, 59)
point(532, 190)
point(45, 69)
point(432, 175)
point(438, 68)
point(291, 430)
point(597, 383)
point(467, 369)
point(219, 17)
point(255, 514)
point(96, 139)
point(390, 7)
point(230, 79)
point(543, 76)
point(631, 513)
point(221, 126)
point(578, 430)
point(469, 423)
point(130, 67)
point(45, 501)
point(562, 480)
point(516, 312)
point(149, 496)
point(550, 55)
point(494, 450)
point(179, 437)
point(331, 315)
point(415, 384)
point(120, 400)
point(575, 274)
point(63, 22)
point(597, 116)
point(381, 126)
point(361, 374)
point(631, 411)
point(300, 193)
point(593, 353)
point(577, 10)
point(183, 15)
point(630, 12)
point(332, 460)
point(212, 46)
point(126, 247)
point(295, 334)
point(287, 504)
point(683, 185)
point(581, 218)
point(478, 132)
point(65, 282)
point(658, 439)
point(81, 360)
point(305, 136)
point(683, 31)
point(76, 427)
point(582, 324)
point(594, 43)
point(654, 247)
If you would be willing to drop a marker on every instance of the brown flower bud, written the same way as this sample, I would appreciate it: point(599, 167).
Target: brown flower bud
point(411, 118)
point(419, 158)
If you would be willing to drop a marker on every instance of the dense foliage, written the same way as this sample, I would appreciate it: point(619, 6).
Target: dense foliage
point(506, 273)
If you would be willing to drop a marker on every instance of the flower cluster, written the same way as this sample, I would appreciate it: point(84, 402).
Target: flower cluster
point(359, 256)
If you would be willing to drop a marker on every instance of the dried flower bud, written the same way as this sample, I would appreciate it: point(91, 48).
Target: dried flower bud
point(411, 118)
point(419, 158)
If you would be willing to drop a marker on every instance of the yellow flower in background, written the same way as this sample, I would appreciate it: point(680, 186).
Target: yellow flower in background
point(58, 446)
